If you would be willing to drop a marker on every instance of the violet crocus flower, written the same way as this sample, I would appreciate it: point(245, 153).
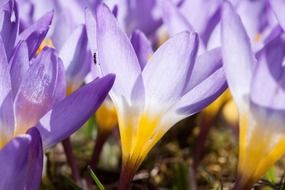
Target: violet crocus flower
point(68, 15)
point(257, 85)
point(142, 15)
point(33, 35)
point(184, 17)
point(257, 17)
point(171, 86)
point(137, 15)
point(259, 22)
point(32, 92)
point(70, 40)
point(74, 49)
point(77, 58)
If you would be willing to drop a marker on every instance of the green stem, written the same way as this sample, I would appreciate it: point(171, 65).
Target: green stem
point(71, 160)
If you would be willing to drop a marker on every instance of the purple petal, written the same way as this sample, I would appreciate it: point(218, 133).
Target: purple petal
point(21, 160)
point(35, 34)
point(10, 29)
point(214, 40)
point(203, 94)
point(205, 65)
point(70, 114)
point(199, 13)
point(212, 23)
point(278, 7)
point(276, 31)
point(35, 162)
point(169, 68)
point(251, 13)
point(4, 72)
point(6, 98)
point(68, 15)
point(136, 17)
point(115, 52)
point(142, 47)
point(268, 84)
point(40, 89)
point(19, 65)
point(237, 55)
point(173, 18)
point(77, 57)
point(6, 5)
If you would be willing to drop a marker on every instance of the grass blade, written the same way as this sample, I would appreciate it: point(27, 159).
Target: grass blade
point(96, 180)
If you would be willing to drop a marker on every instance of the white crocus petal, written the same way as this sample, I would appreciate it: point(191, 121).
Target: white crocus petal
point(237, 56)
point(169, 68)
point(116, 54)
point(202, 94)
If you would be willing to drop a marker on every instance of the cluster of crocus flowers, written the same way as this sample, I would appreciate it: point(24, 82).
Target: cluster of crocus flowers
point(34, 113)
point(149, 100)
point(44, 96)
point(32, 101)
point(257, 84)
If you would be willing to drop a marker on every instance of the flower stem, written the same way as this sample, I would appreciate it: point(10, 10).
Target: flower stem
point(205, 126)
point(99, 142)
point(242, 184)
point(127, 173)
point(71, 160)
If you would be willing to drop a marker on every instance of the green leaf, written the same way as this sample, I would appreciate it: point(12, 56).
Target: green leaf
point(88, 127)
point(181, 178)
point(271, 175)
point(95, 179)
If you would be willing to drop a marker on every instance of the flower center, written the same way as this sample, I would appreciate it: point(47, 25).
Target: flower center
point(139, 133)
point(260, 147)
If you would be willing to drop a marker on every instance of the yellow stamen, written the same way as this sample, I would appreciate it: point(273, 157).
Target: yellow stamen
point(257, 38)
point(230, 112)
point(4, 139)
point(45, 43)
point(106, 116)
point(69, 89)
point(149, 56)
point(139, 135)
point(162, 36)
point(214, 107)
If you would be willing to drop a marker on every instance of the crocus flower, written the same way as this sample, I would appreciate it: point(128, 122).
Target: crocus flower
point(67, 16)
point(77, 58)
point(137, 15)
point(33, 35)
point(32, 92)
point(184, 17)
point(142, 15)
point(257, 85)
point(149, 101)
point(257, 17)
point(259, 22)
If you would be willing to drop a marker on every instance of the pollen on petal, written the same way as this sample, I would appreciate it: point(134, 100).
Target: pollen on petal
point(257, 38)
point(45, 43)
